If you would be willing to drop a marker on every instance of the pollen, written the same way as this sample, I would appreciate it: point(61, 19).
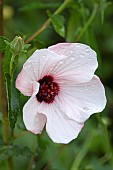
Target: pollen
point(48, 89)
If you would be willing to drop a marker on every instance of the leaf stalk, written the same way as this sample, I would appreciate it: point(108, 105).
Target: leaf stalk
point(48, 21)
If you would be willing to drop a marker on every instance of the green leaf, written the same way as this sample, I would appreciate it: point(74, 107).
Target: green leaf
point(12, 92)
point(13, 95)
point(13, 150)
point(58, 24)
point(13, 99)
point(10, 61)
point(2, 43)
point(39, 5)
point(7, 59)
point(26, 46)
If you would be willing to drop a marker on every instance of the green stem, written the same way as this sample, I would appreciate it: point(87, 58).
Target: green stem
point(109, 154)
point(87, 23)
point(33, 156)
point(10, 163)
point(11, 64)
point(83, 152)
point(21, 134)
point(48, 21)
point(54, 157)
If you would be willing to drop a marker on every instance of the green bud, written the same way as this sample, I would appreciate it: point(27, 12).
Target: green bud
point(17, 45)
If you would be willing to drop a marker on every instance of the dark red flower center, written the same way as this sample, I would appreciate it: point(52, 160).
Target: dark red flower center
point(48, 89)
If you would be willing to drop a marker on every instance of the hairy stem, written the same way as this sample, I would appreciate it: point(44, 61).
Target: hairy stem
point(48, 21)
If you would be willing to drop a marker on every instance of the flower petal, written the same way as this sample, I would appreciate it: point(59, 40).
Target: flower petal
point(80, 62)
point(41, 63)
point(36, 67)
point(34, 121)
point(24, 83)
point(36, 86)
point(82, 100)
point(60, 128)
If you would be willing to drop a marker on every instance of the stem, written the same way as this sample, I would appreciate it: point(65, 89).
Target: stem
point(83, 152)
point(3, 102)
point(21, 134)
point(43, 27)
point(87, 23)
point(1, 17)
point(32, 160)
point(11, 63)
point(54, 157)
point(109, 154)
point(10, 163)
point(48, 21)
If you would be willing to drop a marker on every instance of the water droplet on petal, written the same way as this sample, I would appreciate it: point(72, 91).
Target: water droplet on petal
point(87, 88)
point(27, 66)
point(82, 55)
point(77, 44)
point(72, 58)
point(87, 50)
point(65, 140)
point(71, 51)
point(43, 56)
point(37, 119)
point(86, 109)
point(61, 62)
point(90, 59)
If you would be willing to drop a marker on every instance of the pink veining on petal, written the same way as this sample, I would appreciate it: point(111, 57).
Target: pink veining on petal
point(60, 48)
point(24, 84)
point(82, 100)
point(34, 121)
point(79, 64)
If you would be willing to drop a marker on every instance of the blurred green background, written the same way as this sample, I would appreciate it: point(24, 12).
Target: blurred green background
point(89, 22)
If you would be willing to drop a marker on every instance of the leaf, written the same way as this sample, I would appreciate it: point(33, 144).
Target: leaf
point(15, 104)
point(13, 150)
point(26, 46)
point(39, 5)
point(58, 24)
point(7, 59)
point(2, 43)
point(13, 98)
point(12, 93)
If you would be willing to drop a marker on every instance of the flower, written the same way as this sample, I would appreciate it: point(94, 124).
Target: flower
point(63, 88)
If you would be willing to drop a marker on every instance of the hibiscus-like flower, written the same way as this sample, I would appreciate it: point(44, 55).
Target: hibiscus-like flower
point(63, 88)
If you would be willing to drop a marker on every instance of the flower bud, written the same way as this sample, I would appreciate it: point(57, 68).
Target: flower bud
point(17, 45)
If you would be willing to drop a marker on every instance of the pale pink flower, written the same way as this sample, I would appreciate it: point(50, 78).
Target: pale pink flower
point(63, 88)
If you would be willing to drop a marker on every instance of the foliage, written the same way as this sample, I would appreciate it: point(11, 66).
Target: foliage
point(88, 22)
